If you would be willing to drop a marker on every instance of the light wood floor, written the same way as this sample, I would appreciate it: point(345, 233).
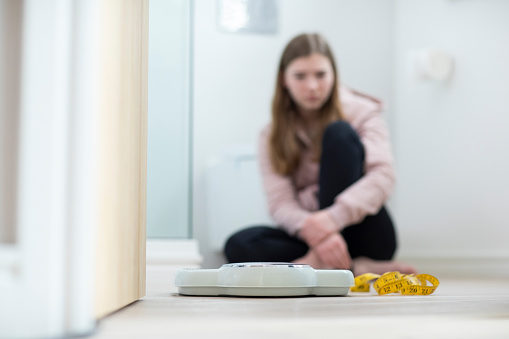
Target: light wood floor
point(460, 308)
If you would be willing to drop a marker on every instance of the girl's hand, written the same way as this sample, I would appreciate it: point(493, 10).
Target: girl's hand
point(318, 226)
point(333, 251)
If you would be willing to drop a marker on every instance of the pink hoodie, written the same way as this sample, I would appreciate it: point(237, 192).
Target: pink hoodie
point(291, 199)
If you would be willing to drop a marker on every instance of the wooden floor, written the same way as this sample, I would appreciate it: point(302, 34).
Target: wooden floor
point(460, 308)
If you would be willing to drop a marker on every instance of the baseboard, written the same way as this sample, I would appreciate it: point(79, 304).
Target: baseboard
point(481, 264)
point(174, 252)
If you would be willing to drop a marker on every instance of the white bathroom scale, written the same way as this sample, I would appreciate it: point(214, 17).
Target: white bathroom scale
point(263, 279)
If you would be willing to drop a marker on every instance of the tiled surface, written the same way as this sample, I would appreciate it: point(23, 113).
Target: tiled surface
point(460, 308)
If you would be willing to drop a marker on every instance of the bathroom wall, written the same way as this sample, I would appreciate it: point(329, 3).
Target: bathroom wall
point(451, 137)
point(234, 76)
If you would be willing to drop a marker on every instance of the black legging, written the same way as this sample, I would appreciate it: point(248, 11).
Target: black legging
point(341, 165)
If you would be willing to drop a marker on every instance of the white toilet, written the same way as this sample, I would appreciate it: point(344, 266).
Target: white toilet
point(235, 197)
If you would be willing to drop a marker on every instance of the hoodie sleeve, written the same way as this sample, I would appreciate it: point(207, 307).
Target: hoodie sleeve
point(280, 191)
point(367, 195)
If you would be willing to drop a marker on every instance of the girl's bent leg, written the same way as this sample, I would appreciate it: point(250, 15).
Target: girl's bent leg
point(341, 163)
point(264, 244)
point(341, 166)
point(373, 238)
point(372, 244)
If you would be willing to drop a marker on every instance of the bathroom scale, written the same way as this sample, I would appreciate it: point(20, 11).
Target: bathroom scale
point(263, 279)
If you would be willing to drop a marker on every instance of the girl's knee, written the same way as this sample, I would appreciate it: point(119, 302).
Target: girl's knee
point(340, 137)
point(339, 131)
point(242, 243)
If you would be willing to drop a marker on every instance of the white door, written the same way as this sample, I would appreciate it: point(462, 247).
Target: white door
point(72, 162)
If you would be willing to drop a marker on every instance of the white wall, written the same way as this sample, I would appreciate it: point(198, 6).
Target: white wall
point(234, 76)
point(452, 143)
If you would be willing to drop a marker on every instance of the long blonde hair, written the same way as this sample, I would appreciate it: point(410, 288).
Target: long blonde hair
point(284, 146)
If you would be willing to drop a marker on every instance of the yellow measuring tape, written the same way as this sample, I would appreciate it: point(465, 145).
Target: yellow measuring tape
point(392, 282)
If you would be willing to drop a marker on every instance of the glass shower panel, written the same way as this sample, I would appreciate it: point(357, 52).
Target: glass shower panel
point(168, 155)
point(11, 20)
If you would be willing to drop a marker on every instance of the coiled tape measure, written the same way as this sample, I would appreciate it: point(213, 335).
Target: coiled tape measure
point(392, 282)
point(264, 279)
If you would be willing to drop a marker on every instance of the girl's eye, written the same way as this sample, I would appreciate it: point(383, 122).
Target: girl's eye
point(299, 76)
point(320, 75)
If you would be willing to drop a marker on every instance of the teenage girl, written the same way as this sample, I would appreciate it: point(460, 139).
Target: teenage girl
point(327, 169)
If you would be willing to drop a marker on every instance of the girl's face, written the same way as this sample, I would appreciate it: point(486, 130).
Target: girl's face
point(309, 81)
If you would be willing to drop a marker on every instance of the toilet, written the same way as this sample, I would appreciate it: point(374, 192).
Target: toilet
point(235, 197)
